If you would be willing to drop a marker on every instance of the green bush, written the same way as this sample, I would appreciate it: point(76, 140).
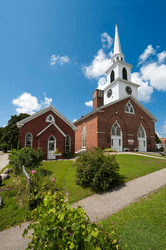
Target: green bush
point(4, 147)
point(69, 156)
point(39, 185)
point(109, 150)
point(96, 169)
point(59, 226)
point(28, 157)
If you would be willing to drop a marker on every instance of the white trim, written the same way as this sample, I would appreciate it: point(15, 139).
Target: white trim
point(98, 132)
point(31, 139)
point(131, 106)
point(122, 80)
point(99, 109)
point(130, 134)
point(43, 111)
point(47, 119)
point(118, 62)
point(52, 123)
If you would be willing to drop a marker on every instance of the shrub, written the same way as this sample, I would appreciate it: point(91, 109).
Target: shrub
point(5, 147)
point(59, 226)
point(97, 169)
point(109, 150)
point(28, 157)
point(39, 185)
point(69, 156)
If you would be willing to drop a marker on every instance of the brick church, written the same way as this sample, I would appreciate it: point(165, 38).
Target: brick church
point(118, 119)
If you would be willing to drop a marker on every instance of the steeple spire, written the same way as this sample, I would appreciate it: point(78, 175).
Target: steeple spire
point(117, 47)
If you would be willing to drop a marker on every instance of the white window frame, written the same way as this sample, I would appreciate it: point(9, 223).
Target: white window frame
point(68, 145)
point(48, 118)
point(84, 137)
point(131, 106)
point(29, 137)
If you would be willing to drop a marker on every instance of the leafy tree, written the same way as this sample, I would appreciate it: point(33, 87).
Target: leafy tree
point(157, 139)
point(11, 131)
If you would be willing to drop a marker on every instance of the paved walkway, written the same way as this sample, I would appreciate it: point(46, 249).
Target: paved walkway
point(99, 205)
point(4, 161)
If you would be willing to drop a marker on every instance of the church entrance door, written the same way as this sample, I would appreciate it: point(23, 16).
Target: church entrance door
point(116, 137)
point(51, 147)
point(142, 139)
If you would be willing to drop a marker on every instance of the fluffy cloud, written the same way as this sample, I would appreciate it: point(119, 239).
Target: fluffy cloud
point(102, 83)
point(106, 40)
point(89, 104)
point(158, 135)
point(59, 59)
point(144, 91)
point(147, 53)
point(29, 104)
point(155, 74)
point(161, 56)
point(98, 66)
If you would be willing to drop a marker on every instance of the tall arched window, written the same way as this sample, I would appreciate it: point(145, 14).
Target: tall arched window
point(28, 140)
point(129, 108)
point(124, 73)
point(141, 132)
point(112, 76)
point(115, 130)
point(67, 144)
point(84, 136)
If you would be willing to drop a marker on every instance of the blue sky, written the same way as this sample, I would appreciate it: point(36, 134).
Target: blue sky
point(56, 52)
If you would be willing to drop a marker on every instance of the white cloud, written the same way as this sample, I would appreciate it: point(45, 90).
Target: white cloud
point(102, 83)
point(59, 59)
point(156, 74)
point(106, 40)
point(147, 52)
point(158, 135)
point(29, 104)
point(98, 66)
point(74, 120)
point(144, 91)
point(161, 56)
point(89, 104)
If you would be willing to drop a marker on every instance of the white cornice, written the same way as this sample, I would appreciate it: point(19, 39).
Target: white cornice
point(121, 80)
point(101, 108)
point(118, 62)
point(52, 123)
point(43, 111)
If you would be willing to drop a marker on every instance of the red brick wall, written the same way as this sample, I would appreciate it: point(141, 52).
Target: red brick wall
point(38, 124)
point(102, 122)
point(91, 135)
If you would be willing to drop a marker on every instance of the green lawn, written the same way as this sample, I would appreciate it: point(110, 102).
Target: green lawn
point(131, 167)
point(142, 225)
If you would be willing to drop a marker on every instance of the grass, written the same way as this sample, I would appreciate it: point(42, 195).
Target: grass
point(142, 224)
point(14, 210)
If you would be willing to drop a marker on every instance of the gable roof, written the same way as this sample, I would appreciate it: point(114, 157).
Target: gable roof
point(43, 111)
point(101, 109)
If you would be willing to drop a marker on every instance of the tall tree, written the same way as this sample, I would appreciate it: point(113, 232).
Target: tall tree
point(11, 131)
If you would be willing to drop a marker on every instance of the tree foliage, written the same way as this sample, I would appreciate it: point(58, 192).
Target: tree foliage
point(157, 139)
point(10, 132)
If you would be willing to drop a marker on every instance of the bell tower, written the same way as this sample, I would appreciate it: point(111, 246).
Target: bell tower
point(119, 76)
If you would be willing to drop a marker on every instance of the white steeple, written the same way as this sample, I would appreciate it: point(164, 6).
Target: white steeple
point(117, 47)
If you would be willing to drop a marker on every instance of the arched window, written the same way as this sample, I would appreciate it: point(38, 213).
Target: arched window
point(129, 108)
point(141, 132)
point(28, 140)
point(67, 144)
point(124, 73)
point(115, 130)
point(112, 76)
point(84, 136)
point(50, 118)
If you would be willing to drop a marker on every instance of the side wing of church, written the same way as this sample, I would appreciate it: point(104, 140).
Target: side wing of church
point(118, 119)
point(48, 129)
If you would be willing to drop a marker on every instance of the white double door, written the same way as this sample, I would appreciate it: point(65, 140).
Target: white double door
point(116, 143)
point(142, 145)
